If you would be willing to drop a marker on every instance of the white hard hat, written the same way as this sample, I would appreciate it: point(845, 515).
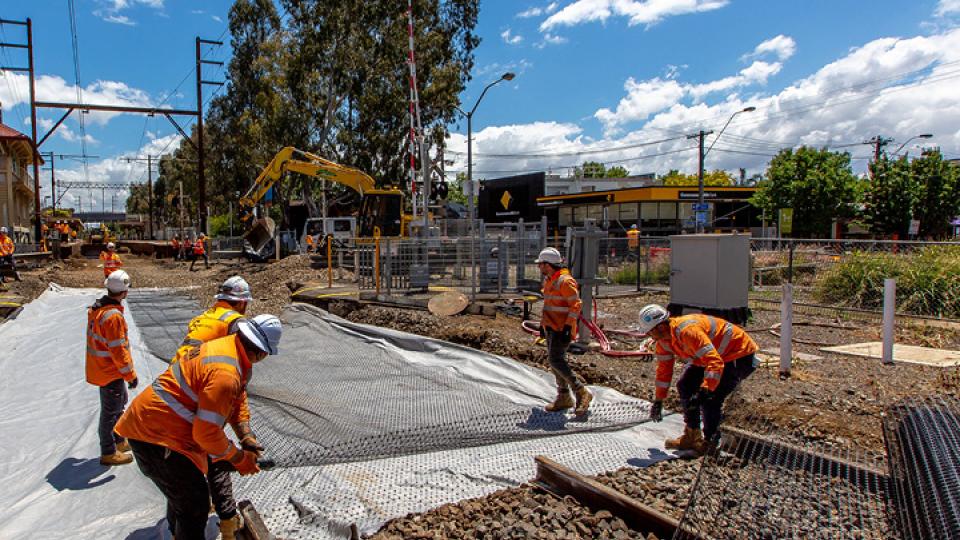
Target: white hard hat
point(550, 255)
point(3, 230)
point(650, 316)
point(111, 245)
point(235, 289)
point(264, 332)
point(117, 282)
point(634, 226)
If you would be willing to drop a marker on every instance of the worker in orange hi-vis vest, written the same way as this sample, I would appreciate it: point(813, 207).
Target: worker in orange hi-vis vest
point(110, 259)
point(109, 364)
point(718, 355)
point(175, 426)
point(561, 316)
point(200, 250)
point(7, 248)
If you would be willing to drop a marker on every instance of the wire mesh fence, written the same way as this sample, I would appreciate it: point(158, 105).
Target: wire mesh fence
point(757, 485)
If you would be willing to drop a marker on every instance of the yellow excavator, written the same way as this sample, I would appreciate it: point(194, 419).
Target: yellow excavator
point(381, 210)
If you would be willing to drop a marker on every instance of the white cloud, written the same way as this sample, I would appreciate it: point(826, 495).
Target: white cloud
point(783, 47)
point(509, 38)
point(538, 11)
point(216, 18)
point(947, 7)
point(550, 39)
point(110, 10)
point(893, 87)
point(646, 12)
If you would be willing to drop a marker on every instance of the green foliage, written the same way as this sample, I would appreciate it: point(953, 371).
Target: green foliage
point(456, 191)
point(928, 281)
point(818, 184)
point(654, 274)
point(220, 225)
point(712, 178)
point(617, 172)
point(891, 196)
point(939, 200)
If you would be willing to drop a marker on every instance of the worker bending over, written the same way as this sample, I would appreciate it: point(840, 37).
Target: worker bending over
point(223, 319)
point(177, 422)
point(561, 316)
point(718, 356)
point(109, 364)
point(7, 249)
point(110, 259)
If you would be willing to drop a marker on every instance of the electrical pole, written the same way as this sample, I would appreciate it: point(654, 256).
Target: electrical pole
point(878, 143)
point(180, 185)
point(201, 180)
point(150, 195)
point(700, 204)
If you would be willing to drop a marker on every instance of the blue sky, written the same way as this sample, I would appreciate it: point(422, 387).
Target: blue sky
point(593, 76)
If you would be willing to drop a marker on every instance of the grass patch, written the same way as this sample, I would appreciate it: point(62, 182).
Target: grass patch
point(655, 274)
point(928, 281)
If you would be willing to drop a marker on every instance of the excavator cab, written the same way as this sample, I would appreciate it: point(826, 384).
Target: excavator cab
point(381, 209)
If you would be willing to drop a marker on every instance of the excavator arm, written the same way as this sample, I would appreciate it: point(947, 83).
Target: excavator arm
point(291, 159)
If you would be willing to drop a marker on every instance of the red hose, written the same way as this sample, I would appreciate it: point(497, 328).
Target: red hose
point(533, 327)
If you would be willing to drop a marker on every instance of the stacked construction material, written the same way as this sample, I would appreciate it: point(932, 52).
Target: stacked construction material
point(923, 446)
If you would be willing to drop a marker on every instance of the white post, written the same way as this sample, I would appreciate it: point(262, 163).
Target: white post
point(786, 330)
point(889, 308)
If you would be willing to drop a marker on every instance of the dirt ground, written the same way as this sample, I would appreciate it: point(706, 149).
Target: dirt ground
point(837, 400)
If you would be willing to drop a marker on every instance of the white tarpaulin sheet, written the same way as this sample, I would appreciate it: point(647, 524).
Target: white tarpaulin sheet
point(55, 488)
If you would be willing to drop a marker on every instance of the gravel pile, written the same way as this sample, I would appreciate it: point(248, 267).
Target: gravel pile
point(524, 512)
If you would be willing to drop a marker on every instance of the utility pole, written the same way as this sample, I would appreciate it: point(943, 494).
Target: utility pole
point(878, 143)
point(150, 195)
point(700, 204)
point(201, 180)
point(180, 185)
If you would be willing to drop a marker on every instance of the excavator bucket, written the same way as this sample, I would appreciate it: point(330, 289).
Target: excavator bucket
point(260, 233)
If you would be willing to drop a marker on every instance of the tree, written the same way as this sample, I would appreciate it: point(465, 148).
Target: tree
point(939, 200)
point(617, 172)
point(716, 178)
point(455, 193)
point(593, 169)
point(818, 184)
point(890, 197)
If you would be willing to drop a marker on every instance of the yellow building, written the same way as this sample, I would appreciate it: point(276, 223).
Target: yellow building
point(16, 183)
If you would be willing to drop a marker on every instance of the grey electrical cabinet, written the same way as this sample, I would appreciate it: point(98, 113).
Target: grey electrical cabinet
point(710, 273)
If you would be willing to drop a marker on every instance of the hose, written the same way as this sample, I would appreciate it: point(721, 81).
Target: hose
point(533, 327)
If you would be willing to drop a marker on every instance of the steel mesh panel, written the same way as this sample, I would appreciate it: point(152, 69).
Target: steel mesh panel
point(162, 316)
point(923, 444)
point(758, 486)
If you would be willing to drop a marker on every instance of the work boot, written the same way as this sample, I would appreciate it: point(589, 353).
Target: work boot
point(584, 397)
point(124, 446)
point(229, 527)
point(116, 458)
point(692, 439)
point(564, 401)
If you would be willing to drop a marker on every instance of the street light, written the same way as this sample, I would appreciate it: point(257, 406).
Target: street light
point(703, 155)
point(471, 200)
point(921, 136)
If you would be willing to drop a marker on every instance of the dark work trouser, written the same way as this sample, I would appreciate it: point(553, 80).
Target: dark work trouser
point(557, 355)
point(206, 259)
point(689, 383)
point(221, 488)
point(113, 398)
point(181, 482)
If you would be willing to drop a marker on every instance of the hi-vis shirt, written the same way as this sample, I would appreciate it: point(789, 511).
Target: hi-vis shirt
point(704, 341)
point(108, 351)
point(216, 322)
point(561, 302)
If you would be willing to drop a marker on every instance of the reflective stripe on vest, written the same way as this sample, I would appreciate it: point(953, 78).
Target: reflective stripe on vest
point(172, 402)
point(227, 315)
point(179, 408)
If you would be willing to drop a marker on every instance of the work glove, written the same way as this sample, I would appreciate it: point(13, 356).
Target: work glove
point(250, 443)
point(133, 384)
point(656, 411)
point(247, 464)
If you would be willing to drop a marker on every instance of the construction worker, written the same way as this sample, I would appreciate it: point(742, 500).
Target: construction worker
point(561, 315)
point(109, 364)
point(175, 244)
point(221, 320)
point(176, 424)
point(200, 250)
point(110, 260)
point(633, 237)
point(7, 249)
point(718, 356)
point(310, 243)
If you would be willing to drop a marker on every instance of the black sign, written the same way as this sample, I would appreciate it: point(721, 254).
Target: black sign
point(511, 199)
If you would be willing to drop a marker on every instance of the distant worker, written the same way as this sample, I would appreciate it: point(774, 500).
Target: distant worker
point(7, 248)
point(109, 364)
point(175, 244)
point(561, 316)
point(223, 319)
point(718, 356)
point(200, 250)
point(310, 243)
point(633, 237)
point(44, 233)
point(176, 425)
point(110, 259)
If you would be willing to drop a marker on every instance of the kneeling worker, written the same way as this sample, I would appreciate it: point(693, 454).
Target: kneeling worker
point(177, 422)
point(561, 316)
point(718, 356)
point(223, 319)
